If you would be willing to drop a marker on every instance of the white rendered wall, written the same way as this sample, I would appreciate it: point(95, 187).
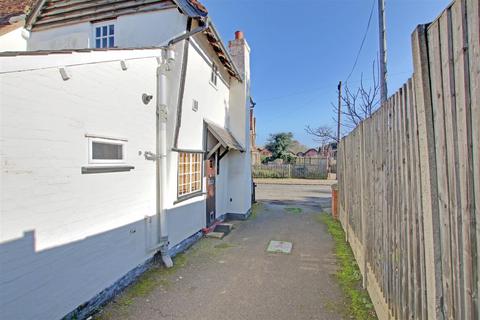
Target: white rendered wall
point(213, 105)
point(64, 235)
point(13, 41)
point(240, 175)
point(145, 29)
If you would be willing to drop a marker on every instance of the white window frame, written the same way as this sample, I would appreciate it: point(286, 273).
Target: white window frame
point(122, 143)
point(214, 75)
point(191, 175)
point(101, 25)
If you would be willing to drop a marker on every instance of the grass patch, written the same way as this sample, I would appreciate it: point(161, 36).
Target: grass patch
point(294, 210)
point(157, 276)
point(349, 276)
point(224, 245)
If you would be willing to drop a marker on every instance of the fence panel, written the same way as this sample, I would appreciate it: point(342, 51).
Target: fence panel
point(303, 171)
point(409, 180)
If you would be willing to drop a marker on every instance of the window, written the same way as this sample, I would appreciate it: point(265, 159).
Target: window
point(106, 151)
point(214, 75)
point(105, 36)
point(189, 173)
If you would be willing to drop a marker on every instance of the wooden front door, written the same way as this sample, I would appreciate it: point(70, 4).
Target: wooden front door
point(210, 171)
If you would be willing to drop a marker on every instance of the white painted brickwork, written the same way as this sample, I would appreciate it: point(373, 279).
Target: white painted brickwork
point(63, 233)
point(65, 236)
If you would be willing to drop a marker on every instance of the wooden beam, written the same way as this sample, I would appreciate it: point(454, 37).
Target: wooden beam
point(214, 149)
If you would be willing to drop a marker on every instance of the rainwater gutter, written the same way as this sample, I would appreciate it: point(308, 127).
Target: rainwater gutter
point(166, 62)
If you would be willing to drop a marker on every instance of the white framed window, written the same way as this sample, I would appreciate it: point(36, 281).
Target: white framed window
point(189, 173)
point(106, 151)
point(214, 74)
point(104, 35)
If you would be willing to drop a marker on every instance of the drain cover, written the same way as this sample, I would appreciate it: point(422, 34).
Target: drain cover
point(279, 246)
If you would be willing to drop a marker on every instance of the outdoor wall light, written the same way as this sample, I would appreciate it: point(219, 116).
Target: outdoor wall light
point(146, 98)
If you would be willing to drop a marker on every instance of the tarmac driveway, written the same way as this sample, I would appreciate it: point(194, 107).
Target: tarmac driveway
point(236, 278)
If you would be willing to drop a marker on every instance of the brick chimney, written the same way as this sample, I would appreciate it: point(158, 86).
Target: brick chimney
point(240, 53)
point(240, 176)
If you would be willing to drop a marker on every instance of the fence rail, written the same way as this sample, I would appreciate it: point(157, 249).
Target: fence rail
point(409, 180)
point(318, 171)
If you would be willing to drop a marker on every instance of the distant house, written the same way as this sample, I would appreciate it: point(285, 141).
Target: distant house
point(13, 35)
point(310, 153)
point(123, 138)
point(256, 156)
point(264, 152)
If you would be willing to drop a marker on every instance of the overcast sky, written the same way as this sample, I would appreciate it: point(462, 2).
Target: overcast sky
point(302, 48)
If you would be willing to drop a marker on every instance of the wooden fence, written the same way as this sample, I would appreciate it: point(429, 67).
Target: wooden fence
point(409, 180)
point(317, 171)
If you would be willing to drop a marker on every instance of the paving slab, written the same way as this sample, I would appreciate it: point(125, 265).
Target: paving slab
point(279, 247)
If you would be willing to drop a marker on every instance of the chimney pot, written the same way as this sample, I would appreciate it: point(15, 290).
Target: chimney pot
point(238, 35)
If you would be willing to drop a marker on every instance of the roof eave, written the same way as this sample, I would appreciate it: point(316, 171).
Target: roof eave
point(226, 52)
point(190, 10)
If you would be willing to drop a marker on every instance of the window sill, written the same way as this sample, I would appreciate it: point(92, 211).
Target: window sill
point(189, 196)
point(106, 169)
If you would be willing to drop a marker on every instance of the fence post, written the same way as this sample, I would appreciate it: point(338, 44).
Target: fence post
point(362, 204)
point(431, 225)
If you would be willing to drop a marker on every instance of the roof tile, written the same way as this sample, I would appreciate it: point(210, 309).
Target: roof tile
point(14, 7)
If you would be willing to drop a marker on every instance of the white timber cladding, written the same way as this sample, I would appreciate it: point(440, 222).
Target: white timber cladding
point(61, 226)
point(146, 29)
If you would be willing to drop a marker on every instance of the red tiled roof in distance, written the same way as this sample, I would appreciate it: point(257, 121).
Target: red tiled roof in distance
point(15, 7)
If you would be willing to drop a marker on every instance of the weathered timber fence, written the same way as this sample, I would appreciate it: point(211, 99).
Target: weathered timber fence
point(409, 180)
point(314, 171)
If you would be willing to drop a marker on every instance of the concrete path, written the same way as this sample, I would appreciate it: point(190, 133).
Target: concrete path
point(236, 278)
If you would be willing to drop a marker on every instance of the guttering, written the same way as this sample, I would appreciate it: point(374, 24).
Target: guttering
point(204, 23)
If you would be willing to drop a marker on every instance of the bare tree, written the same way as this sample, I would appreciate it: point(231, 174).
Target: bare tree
point(360, 103)
point(357, 105)
point(322, 134)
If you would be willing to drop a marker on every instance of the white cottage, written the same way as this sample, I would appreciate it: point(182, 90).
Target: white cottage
point(124, 133)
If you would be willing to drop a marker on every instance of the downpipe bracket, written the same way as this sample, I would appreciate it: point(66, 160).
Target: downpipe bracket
point(152, 156)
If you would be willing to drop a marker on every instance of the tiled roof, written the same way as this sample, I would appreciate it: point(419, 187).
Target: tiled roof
point(9, 8)
point(224, 136)
point(198, 5)
point(12, 8)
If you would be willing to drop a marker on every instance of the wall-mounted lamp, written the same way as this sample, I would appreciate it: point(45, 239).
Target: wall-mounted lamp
point(146, 98)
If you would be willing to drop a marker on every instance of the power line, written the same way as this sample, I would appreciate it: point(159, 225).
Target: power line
point(363, 40)
point(318, 89)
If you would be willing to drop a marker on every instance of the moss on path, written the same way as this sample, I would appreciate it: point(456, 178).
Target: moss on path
point(349, 276)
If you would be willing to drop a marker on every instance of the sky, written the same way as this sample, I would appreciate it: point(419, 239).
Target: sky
point(301, 49)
